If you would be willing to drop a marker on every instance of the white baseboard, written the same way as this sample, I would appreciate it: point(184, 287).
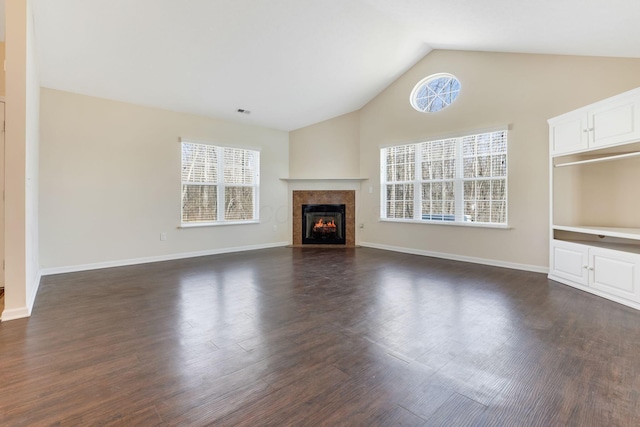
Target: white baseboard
point(135, 261)
point(32, 298)
point(21, 312)
point(453, 257)
point(16, 313)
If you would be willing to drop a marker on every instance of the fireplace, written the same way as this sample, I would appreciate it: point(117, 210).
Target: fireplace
point(323, 224)
point(346, 198)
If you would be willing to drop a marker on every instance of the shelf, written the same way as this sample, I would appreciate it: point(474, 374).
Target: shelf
point(604, 245)
point(600, 159)
point(623, 233)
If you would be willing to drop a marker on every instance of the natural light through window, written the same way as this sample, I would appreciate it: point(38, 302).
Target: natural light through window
point(455, 180)
point(435, 93)
point(219, 184)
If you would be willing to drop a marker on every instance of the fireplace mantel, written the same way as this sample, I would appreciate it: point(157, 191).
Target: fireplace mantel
point(324, 183)
point(323, 179)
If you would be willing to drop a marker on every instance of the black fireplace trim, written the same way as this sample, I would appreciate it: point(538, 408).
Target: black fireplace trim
point(313, 208)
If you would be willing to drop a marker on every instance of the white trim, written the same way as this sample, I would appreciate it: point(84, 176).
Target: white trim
point(22, 312)
point(454, 223)
point(214, 143)
point(32, 298)
point(322, 179)
point(453, 135)
point(16, 313)
point(135, 261)
point(453, 257)
point(217, 223)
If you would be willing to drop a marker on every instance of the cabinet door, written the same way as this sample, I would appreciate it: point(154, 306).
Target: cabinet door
point(615, 272)
point(569, 133)
point(615, 122)
point(569, 261)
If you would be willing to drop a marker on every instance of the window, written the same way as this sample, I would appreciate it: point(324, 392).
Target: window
point(219, 184)
point(456, 179)
point(435, 93)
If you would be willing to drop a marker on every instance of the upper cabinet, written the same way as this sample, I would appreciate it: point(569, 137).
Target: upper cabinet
point(613, 121)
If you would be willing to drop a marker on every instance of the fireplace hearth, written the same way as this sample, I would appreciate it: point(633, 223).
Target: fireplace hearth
point(323, 224)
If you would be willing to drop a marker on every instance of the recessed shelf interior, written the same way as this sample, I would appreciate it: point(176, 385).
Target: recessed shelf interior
point(598, 194)
point(598, 240)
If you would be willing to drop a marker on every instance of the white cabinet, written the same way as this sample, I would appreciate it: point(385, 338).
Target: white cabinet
point(609, 273)
point(594, 198)
point(613, 121)
point(570, 261)
point(615, 272)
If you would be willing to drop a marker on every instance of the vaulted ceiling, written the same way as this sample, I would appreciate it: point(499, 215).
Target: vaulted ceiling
point(297, 62)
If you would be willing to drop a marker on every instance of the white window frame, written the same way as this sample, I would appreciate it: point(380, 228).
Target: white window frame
point(458, 180)
point(221, 187)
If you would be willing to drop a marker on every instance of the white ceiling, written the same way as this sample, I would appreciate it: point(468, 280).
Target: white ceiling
point(297, 62)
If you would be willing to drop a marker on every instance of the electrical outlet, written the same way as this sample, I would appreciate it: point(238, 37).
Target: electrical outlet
point(163, 236)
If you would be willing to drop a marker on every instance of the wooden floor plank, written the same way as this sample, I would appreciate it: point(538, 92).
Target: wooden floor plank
point(316, 336)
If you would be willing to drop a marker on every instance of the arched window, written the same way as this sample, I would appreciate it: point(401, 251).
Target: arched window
point(435, 93)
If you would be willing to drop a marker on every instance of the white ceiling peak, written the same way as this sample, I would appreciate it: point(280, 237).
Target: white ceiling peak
point(293, 63)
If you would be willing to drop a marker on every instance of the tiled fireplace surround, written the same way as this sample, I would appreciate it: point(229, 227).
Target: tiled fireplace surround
point(325, 197)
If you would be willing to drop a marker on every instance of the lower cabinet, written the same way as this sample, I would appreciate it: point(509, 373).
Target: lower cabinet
point(605, 272)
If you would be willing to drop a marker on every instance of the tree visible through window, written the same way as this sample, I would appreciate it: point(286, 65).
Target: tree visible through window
point(219, 183)
point(435, 93)
point(457, 179)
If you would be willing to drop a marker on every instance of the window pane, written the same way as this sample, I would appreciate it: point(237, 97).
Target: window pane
point(484, 166)
point(470, 167)
point(199, 163)
point(483, 190)
point(449, 169)
point(483, 144)
point(199, 203)
point(238, 203)
point(400, 201)
point(469, 190)
point(498, 212)
point(400, 163)
point(435, 93)
point(436, 191)
point(499, 142)
point(438, 201)
point(240, 166)
point(436, 170)
point(498, 190)
point(483, 211)
point(469, 146)
point(482, 178)
point(499, 165)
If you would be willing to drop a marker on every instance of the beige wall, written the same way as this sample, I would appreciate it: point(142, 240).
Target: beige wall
point(328, 149)
point(110, 182)
point(518, 90)
point(21, 162)
point(2, 72)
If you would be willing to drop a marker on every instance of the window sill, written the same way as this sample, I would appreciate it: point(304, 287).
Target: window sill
point(451, 223)
point(218, 223)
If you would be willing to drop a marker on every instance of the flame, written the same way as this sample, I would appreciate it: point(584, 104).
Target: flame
point(320, 225)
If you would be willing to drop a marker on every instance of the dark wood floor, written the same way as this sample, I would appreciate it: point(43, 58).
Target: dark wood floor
point(290, 336)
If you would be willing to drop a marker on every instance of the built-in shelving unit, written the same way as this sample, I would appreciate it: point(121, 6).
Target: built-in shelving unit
point(595, 199)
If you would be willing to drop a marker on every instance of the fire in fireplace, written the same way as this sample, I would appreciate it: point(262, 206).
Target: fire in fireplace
point(323, 224)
